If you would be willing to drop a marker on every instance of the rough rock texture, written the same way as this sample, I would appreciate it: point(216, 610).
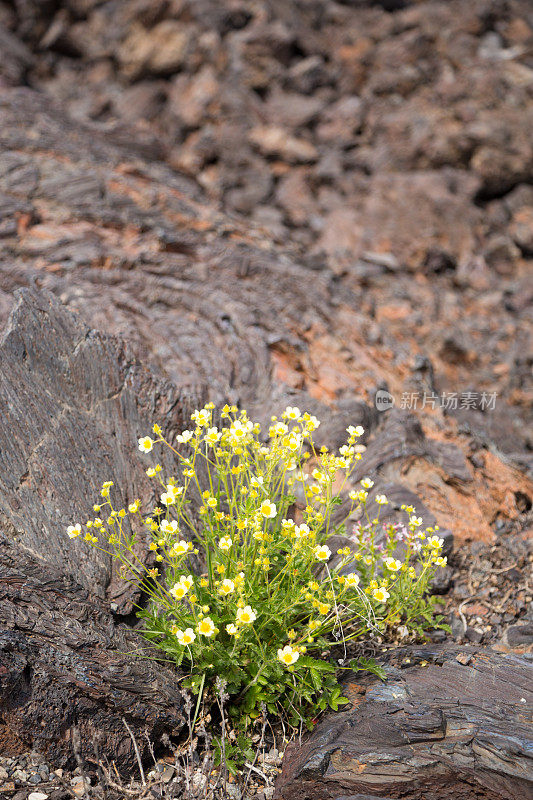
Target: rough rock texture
point(73, 403)
point(137, 250)
point(448, 723)
point(307, 202)
point(386, 143)
point(69, 674)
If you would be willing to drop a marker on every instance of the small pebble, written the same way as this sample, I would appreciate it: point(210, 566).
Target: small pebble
point(78, 785)
point(37, 796)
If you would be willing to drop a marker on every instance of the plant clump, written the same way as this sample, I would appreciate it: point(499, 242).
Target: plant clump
point(273, 598)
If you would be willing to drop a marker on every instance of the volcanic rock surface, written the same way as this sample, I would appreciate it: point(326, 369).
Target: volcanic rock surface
point(316, 203)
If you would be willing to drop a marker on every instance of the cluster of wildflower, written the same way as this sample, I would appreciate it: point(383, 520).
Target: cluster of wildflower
point(268, 593)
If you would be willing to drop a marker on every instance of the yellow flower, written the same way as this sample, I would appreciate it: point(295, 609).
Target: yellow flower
point(292, 442)
point(145, 444)
point(322, 552)
point(288, 655)
point(312, 422)
point(206, 627)
point(323, 608)
point(246, 615)
point(74, 530)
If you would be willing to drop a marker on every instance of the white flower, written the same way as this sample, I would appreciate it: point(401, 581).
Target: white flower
point(279, 429)
point(381, 594)
point(231, 629)
point(184, 437)
point(267, 509)
point(179, 590)
point(169, 526)
point(246, 615)
point(225, 543)
point(292, 412)
point(186, 637)
point(187, 581)
point(74, 530)
point(256, 481)
point(206, 627)
point(322, 552)
point(352, 579)
point(226, 587)
point(239, 430)
point(180, 548)
point(288, 655)
point(435, 542)
point(415, 521)
point(357, 431)
point(212, 436)
point(172, 493)
point(366, 483)
point(145, 444)
point(301, 531)
point(312, 423)
point(381, 500)
point(319, 476)
point(393, 564)
point(201, 417)
point(292, 442)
